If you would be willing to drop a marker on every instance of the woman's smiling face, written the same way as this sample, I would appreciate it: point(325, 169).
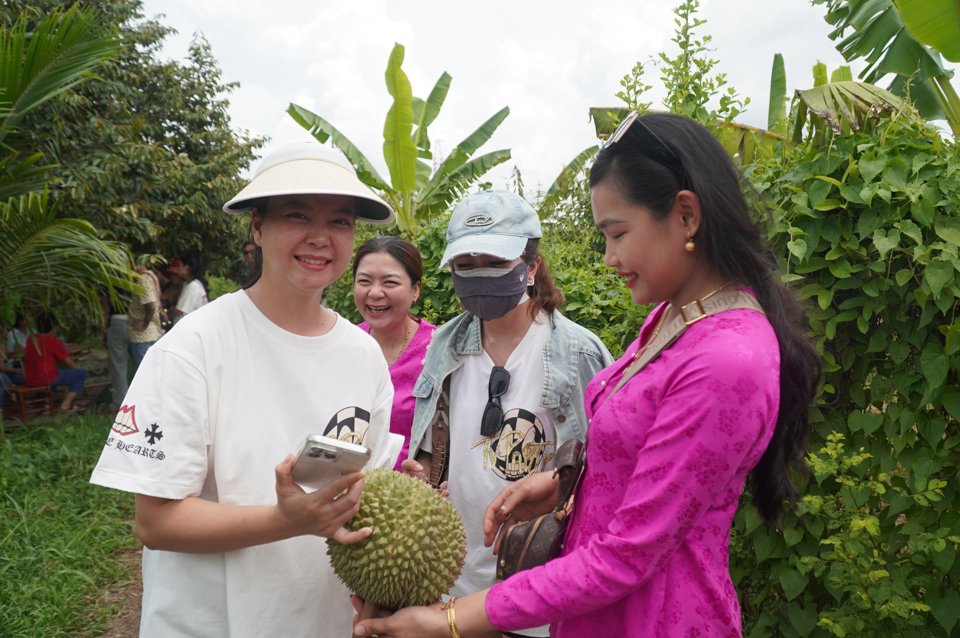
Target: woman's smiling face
point(306, 240)
point(383, 290)
point(647, 252)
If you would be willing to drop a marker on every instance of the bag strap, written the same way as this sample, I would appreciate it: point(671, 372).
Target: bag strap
point(567, 464)
point(689, 315)
point(440, 436)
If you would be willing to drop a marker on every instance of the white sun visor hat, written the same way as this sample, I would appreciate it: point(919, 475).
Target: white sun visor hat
point(307, 168)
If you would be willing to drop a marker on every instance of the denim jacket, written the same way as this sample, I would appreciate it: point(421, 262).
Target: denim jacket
point(571, 357)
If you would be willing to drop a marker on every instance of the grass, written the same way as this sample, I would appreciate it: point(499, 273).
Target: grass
point(60, 537)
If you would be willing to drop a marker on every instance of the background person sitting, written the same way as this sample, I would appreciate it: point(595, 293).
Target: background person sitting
point(9, 374)
point(16, 338)
point(40, 358)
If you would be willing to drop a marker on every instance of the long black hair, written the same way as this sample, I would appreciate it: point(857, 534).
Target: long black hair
point(661, 154)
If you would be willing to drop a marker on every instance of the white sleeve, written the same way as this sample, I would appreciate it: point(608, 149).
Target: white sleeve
point(158, 443)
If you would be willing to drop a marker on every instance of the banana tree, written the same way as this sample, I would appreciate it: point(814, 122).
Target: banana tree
point(878, 34)
point(416, 191)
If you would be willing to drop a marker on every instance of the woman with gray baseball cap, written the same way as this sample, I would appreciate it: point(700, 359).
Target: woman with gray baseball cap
point(502, 383)
point(233, 546)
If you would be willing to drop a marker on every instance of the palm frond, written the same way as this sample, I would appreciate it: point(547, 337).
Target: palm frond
point(62, 50)
point(43, 257)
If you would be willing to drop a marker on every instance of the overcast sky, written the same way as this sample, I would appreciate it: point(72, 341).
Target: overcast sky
point(548, 61)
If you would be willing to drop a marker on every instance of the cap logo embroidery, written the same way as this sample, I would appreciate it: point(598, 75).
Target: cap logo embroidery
point(478, 220)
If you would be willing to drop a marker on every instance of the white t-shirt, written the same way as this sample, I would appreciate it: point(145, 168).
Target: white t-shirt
point(481, 467)
point(215, 405)
point(192, 296)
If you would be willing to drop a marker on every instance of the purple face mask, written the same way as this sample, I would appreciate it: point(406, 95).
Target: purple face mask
point(488, 295)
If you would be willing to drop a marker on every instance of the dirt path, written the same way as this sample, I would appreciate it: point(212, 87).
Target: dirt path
point(127, 598)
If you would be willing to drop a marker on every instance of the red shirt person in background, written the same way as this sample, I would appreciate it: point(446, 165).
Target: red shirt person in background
point(40, 358)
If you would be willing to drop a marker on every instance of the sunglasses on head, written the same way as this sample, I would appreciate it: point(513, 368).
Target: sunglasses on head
point(653, 147)
point(492, 417)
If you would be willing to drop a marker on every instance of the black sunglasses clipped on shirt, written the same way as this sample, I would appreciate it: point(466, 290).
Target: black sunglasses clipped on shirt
point(492, 417)
point(653, 147)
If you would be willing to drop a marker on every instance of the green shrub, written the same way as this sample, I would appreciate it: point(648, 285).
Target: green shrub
point(217, 286)
point(869, 230)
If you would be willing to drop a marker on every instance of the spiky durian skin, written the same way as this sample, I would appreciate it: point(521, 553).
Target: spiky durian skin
point(417, 548)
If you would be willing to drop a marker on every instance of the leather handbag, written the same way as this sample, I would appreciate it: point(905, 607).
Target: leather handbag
point(534, 542)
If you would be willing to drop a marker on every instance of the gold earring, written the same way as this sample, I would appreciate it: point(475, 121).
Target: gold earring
point(690, 246)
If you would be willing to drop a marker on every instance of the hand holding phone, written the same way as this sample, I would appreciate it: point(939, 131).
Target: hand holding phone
point(322, 459)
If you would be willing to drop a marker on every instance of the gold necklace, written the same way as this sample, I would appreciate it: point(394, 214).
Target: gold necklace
point(406, 341)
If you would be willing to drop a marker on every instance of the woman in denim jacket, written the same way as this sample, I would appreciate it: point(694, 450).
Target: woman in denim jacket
point(511, 370)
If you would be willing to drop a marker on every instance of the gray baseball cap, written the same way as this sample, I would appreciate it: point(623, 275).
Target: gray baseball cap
point(497, 223)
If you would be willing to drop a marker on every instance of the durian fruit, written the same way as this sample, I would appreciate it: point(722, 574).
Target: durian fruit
point(417, 548)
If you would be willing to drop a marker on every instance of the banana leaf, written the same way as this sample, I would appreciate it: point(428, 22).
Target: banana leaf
point(746, 144)
point(777, 106)
point(456, 159)
point(441, 195)
point(564, 181)
point(425, 112)
point(844, 106)
point(879, 36)
point(323, 130)
point(399, 151)
point(935, 23)
point(607, 119)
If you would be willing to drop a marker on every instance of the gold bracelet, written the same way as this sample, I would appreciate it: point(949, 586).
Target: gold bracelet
point(451, 617)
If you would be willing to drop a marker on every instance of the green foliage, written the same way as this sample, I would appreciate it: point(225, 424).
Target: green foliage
point(874, 30)
point(218, 286)
point(869, 229)
point(146, 151)
point(935, 23)
point(62, 538)
point(47, 262)
point(687, 77)
point(38, 62)
point(595, 295)
point(416, 191)
point(777, 105)
point(633, 89)
point(840, 107)
point(44, 260)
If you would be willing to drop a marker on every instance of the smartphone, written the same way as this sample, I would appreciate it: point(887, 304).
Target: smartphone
point(322, 459)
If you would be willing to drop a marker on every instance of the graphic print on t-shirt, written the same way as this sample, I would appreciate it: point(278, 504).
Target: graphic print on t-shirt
point(349, 425)
point(519, 448)
point(125, 423)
